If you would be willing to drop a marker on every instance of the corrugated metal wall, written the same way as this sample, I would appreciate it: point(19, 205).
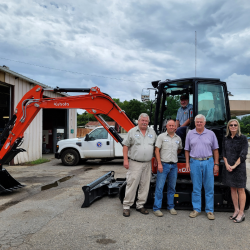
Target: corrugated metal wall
point(33, 135)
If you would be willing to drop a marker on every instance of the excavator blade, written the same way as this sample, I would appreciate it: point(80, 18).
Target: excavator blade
point(7, 182)
point(105, 185)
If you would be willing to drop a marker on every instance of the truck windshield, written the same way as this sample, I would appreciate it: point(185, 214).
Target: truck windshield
point(99, 133)
point(211, 103)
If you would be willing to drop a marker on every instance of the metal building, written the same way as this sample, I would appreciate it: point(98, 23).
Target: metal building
point(47, 127)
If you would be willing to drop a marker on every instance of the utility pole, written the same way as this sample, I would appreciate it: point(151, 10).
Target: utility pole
point(195, 54)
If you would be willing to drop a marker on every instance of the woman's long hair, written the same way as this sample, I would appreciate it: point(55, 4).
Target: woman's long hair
point(228, 124)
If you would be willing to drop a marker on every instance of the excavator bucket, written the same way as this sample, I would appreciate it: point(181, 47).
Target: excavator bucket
point(7, 182)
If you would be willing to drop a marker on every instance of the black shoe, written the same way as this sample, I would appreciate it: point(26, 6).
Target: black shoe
point(142, 210)
point(126, 212)
point(233, 217)
point(240, 220)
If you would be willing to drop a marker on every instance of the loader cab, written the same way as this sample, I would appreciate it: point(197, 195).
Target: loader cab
point(207, 95)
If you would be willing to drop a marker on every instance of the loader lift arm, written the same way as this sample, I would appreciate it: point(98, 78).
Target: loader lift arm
point(95, 102)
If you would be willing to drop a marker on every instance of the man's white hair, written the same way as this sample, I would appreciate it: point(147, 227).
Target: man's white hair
point(143, 115)
point(200, 116)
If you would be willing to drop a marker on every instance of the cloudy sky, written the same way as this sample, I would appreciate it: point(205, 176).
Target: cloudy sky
point(121, 46)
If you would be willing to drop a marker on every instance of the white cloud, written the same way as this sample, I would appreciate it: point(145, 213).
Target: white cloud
point(239, 86)
point(140, 41)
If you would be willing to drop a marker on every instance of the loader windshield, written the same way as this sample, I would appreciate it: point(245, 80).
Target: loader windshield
point(211, 103)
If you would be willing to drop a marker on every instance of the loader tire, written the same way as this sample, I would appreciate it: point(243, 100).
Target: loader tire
point(70, 157)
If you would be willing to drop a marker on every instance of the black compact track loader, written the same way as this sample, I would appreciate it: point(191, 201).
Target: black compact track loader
point(208, 97)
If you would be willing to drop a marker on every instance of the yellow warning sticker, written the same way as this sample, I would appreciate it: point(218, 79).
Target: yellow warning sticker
point(176, 195)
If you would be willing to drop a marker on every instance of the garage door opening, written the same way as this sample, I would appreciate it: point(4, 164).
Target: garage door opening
point(54, 128)
point(5, 107)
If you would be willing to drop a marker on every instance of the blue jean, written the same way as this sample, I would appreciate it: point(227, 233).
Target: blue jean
point(202, 172)
point(169, 171)
point(181, 131)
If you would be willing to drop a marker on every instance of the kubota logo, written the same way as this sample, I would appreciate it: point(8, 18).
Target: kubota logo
point(182, 170)
point(61, 104)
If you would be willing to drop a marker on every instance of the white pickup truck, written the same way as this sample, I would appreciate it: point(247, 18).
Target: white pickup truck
point(98, 144)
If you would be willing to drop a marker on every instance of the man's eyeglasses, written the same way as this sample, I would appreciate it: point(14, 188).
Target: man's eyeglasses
point(233, 125)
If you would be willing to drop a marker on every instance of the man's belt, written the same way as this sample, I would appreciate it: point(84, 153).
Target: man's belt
point(139, 161)
point(202, 159)
point(170, 162)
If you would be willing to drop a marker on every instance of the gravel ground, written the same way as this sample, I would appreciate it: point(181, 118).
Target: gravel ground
point(53, 219)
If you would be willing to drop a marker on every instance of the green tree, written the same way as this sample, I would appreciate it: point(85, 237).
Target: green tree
point(173, 104)
point(245, 124)
point(133, 108)
point(245, 120)
point(84, 118)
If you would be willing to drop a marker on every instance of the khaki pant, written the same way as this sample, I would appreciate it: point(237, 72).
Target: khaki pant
point(139, 173)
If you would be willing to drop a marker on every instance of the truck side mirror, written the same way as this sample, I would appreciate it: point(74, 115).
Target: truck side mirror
point(87, 137)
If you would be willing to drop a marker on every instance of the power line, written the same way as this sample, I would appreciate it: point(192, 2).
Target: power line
point(112, 78)
point(71, 71)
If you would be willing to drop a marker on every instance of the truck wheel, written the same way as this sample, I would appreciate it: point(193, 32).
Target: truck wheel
point(70, 157)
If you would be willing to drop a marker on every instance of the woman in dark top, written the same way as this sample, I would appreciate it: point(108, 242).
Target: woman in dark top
point(235, 147)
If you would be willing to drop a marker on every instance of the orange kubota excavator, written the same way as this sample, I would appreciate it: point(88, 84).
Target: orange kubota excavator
point(95, 103)
point(209, 97)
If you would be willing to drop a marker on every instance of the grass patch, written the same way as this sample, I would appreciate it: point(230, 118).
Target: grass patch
point(36, 162)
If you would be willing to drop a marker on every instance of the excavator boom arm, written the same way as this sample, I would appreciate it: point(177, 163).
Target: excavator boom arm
point(95, 102)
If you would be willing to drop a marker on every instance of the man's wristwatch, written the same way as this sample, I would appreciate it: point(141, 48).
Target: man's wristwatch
point(217, 164)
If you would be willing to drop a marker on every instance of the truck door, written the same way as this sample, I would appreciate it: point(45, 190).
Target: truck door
point(99, 145)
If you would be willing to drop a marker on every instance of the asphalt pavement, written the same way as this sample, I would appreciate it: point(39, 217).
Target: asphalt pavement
point(47, 214)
